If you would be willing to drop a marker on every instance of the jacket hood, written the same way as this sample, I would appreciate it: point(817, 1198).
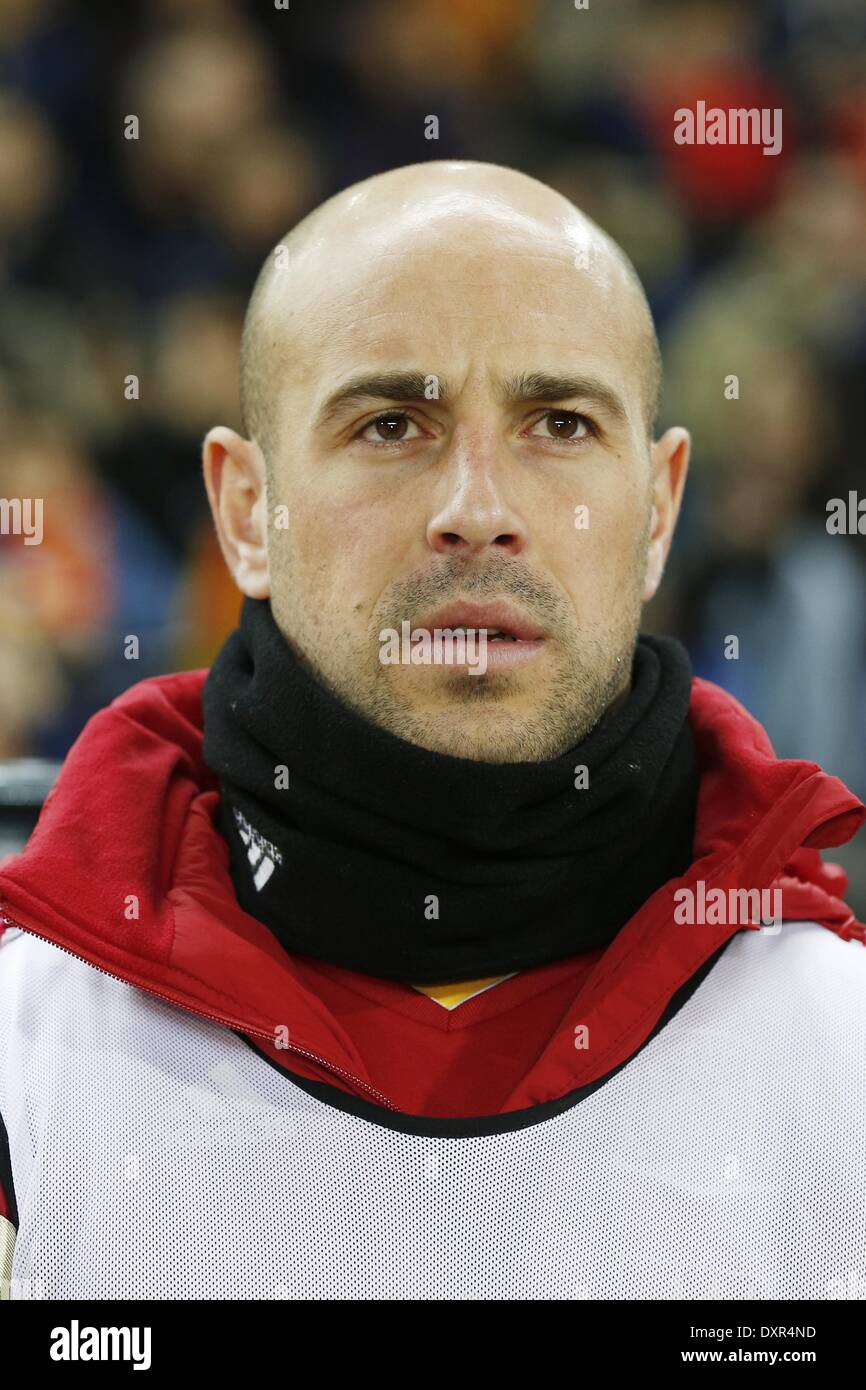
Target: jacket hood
point(127, 870)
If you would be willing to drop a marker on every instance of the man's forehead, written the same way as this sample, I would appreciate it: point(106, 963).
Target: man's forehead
point(394, 301)
point(481, 247)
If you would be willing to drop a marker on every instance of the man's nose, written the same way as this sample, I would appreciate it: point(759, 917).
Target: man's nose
point(472, 509)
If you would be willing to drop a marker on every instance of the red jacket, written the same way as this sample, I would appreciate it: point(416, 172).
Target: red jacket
point(127, 870)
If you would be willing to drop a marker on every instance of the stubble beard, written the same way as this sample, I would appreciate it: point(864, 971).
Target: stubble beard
point(592, 671)
point(477, 723)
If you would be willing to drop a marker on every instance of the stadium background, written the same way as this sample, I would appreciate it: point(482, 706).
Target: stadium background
point(122, 257)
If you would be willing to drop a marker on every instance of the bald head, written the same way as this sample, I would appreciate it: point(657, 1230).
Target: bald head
point(449, 208)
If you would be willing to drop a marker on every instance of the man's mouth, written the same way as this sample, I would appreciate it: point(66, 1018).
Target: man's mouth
point(500, 621)
point(509, 636)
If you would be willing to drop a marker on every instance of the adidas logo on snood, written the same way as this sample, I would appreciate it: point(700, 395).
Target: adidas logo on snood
point(262, 854)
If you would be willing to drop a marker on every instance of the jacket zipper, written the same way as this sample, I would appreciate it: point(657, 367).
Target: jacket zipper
point(8, 921)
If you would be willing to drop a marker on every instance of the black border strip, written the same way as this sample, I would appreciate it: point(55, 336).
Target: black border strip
point(6, 1174)
point(472, 1126)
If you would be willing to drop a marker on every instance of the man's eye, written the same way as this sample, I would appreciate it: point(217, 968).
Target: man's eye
point(560, 424)
point(389, 428)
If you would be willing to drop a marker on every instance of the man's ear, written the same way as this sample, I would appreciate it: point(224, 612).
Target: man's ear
point(670, 463)
point(236, 480)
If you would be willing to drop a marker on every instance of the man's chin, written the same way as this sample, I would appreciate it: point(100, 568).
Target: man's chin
point(479, 727)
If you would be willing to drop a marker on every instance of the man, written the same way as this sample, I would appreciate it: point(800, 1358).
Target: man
point(446, 940)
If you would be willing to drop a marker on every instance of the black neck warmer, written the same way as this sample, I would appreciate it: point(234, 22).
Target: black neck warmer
point(388, 859)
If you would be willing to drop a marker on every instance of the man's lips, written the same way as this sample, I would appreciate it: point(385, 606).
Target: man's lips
point(499, 620)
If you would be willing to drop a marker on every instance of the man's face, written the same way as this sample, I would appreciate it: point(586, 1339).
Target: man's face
point(517, 499)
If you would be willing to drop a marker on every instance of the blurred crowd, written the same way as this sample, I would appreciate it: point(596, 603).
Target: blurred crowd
point(125, 264)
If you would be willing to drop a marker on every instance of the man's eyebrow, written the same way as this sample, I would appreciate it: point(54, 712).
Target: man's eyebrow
point(547, 386)
point(408, 387)
point(380, 386)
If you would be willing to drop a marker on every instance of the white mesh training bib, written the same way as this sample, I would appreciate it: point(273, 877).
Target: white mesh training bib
point(157, 1155)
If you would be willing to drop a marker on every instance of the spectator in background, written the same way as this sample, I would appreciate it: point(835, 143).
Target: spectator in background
point(207, 102)
point(30, 187)
point(766, 574)
point(186, 367)
point(758, 561)
point(97, 579)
